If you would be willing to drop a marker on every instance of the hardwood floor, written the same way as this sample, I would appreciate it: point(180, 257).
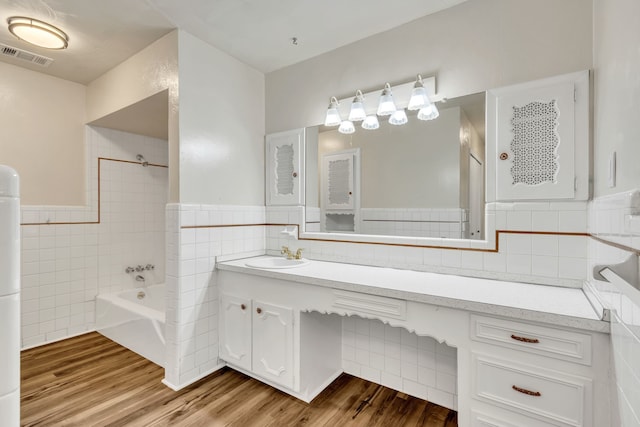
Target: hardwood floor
point(91, 381)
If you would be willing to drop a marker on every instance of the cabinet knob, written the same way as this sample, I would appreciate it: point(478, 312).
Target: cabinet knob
point(350, 193)
point(295, 174)
point(243, 307)
point(504, 156)
point(258, 310)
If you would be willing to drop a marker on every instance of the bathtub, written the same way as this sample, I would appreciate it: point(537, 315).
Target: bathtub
point(135, 319)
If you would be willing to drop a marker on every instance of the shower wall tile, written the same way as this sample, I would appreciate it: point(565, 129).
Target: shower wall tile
point(64, 266)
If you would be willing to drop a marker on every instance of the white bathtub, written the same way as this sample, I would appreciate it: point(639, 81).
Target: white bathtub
point(135, 319)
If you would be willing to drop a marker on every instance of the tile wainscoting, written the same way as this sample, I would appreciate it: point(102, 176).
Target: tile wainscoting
point(70, 254)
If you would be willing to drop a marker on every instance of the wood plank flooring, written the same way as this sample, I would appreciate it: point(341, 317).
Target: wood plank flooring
point(91, 381)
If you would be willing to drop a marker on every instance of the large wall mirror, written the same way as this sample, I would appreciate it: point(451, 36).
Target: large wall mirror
point(421, 179)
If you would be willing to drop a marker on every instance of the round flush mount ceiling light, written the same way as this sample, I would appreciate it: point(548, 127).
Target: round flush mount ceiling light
point(38, 33)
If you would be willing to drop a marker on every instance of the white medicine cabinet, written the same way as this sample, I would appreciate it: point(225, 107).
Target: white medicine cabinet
point(540, 134)
point(285, 168)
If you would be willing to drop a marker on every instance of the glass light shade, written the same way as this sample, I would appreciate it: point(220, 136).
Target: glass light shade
point(398, 118)
point(386, 106)
point(428, 113)
point(333, 114)
point(38, 33)
point(419, 99)
point(371, 123)
point(347, 127)
point(357, 112)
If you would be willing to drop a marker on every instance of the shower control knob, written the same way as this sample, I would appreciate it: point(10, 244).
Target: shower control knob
point(129, 270)
point(139, 268)
point(149, 267)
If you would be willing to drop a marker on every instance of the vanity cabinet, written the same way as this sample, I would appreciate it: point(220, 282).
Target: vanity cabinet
point(529, 374)
point(285, 167)
point(258, 337)
point(273, 343)
point(265, 334)
point(235, 330)
point(540, 140)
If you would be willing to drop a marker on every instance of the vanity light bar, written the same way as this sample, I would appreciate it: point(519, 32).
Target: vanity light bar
point(401, 96)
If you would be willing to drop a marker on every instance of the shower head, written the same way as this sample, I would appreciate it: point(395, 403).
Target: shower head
point(142, 160)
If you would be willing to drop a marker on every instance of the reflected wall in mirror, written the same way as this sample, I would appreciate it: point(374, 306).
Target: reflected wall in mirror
point(421, 179)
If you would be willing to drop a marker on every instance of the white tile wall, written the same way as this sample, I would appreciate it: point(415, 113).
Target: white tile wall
point(446, 223)
point(192, 322)
point(538, 258)
point(398, 359)
point(609, 219)
point(65, 266)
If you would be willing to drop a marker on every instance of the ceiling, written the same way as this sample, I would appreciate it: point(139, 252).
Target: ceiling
point(103, 33)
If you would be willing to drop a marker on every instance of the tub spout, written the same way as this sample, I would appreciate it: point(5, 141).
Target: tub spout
point(139, 278)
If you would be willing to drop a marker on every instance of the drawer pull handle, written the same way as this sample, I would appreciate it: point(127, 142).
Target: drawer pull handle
point(525, 391)
point(259, 310)
point(527, 340)
point(243, 307)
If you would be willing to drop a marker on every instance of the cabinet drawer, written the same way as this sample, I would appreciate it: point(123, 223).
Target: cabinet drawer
point(551, 342)
point(351, 303)
point(481, 420)
point(539, 393)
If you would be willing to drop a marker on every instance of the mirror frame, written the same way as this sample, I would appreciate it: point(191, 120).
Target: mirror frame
point(488, 244)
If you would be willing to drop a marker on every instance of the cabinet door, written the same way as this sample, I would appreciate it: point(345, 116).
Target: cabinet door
point(235, 330)
point(273, 343)
point(285, 168)
point(541, 138)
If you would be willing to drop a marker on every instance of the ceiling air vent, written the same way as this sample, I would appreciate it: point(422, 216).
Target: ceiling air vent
point(25, 55)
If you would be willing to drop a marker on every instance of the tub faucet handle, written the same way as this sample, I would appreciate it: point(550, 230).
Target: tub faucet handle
point(139, 268)
point(149, 267)
point(129, 270)
point(298, 254)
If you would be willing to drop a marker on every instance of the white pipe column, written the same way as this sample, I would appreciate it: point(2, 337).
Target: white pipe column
point(9, 298)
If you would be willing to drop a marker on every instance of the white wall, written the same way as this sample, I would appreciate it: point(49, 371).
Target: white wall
point(416, 165)
point(477, 45)
point(42, 135)
point(617, 93)
point(616, 128)
point(152, 70)
point(221, 127)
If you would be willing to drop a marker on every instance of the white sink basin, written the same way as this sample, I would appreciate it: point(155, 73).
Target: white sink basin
point(276, 262)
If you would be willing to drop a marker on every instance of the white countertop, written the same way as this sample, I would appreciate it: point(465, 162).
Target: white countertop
point(548, 304)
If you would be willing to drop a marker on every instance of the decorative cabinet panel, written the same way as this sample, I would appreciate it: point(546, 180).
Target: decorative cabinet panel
point(285, 168)
point(235, 330)
point(273, 343)
point(538, 140)
point(258, 337)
